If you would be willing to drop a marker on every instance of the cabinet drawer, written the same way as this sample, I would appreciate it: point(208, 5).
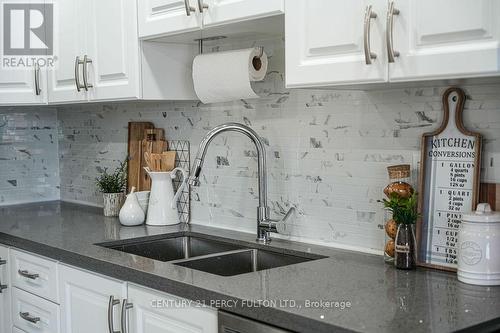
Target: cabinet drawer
point(34, 314)
point(17, 330)
point(34, 274)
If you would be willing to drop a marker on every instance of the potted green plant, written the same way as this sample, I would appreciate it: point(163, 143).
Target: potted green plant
point(404, 213)
point(113, 186)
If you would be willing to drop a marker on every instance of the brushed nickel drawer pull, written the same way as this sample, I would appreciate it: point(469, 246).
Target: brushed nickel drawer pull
point(202, 6)
point(111, 305)
point(369, 55)
point(38, 91)
point(26, 274)
point(125, 306)
point(189, 8)
point(86, 61)
point(391, 53)
point(77, 73)
point(26, 316)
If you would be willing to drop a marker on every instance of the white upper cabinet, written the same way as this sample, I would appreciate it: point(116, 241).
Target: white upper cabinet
point(335, 42)
point(173, 17)
point(23, 86)
point(70, 41)
point(113, 47)
point(164, 17)
point(327, 40)
point(445, 39)
point(98, 54)
point(227, 11)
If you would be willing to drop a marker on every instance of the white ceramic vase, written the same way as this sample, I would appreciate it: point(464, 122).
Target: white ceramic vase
point(131, 213)
point(162, 209)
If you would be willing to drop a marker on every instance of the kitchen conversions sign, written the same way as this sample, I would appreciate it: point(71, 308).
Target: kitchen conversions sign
point(449, 181)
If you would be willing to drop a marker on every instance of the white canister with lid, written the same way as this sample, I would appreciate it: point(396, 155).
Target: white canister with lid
point(479, 247)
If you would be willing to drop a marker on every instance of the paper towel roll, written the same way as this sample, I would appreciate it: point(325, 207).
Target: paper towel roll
point(227, 76)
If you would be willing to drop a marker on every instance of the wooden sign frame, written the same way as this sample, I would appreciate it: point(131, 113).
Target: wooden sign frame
point(452, 97)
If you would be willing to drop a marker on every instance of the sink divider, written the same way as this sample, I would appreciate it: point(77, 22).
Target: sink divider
point(224, 253)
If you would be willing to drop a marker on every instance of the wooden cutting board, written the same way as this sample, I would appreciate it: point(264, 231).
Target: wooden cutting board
point(153, 141)
point(490, 193)
point(136, 173)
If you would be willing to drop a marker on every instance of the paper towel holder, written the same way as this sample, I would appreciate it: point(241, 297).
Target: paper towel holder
point(256, 61)
point(206, 39)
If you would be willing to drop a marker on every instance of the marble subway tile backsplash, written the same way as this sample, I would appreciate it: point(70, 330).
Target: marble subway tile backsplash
point(29, 164)
point(327, 152)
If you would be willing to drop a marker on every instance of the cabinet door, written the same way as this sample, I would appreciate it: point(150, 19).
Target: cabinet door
point(70, 44)
point(17, 83)
point(5, 305)
point(155, 312)
point(85, 298)
point(445, 39)
point(166, 17)
point(112, 44)
point(225, 11)
point(325, 42)
point(17, 86)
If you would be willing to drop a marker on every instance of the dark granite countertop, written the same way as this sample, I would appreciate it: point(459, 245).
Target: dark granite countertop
point(382, 299)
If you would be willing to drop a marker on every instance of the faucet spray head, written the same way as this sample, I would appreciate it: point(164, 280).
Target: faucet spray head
point(194, 179)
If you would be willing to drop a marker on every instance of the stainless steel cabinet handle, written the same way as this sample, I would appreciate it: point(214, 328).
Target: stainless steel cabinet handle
point(369, 14)
point(37, 80)
point(26, 316)
point(202, 6)
point(391, 54)
point(111, 305)
point(189, 8)
point(26, 274)
point(77, 73)
point(86, 61)
point(125, 306)
point(2, 286)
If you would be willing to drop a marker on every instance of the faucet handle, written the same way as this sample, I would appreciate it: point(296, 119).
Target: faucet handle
point(282, 226)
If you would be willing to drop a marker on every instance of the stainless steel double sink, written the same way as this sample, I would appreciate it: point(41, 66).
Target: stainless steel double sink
point(216, 256)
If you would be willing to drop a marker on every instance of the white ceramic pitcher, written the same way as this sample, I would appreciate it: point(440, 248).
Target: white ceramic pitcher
point(162, 209)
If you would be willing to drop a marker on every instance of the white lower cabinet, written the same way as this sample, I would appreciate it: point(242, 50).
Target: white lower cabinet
point(5, 291)
point(34, 314)
point(155, 312)
point(90, 302)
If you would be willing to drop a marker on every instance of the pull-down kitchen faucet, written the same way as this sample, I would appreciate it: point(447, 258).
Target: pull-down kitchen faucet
point(264, 224)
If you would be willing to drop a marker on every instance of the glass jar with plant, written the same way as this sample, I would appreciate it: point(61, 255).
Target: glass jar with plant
point(112, 186)
point(404, 213)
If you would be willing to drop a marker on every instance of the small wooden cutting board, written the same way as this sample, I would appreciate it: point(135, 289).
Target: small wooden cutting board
point(136, 132)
